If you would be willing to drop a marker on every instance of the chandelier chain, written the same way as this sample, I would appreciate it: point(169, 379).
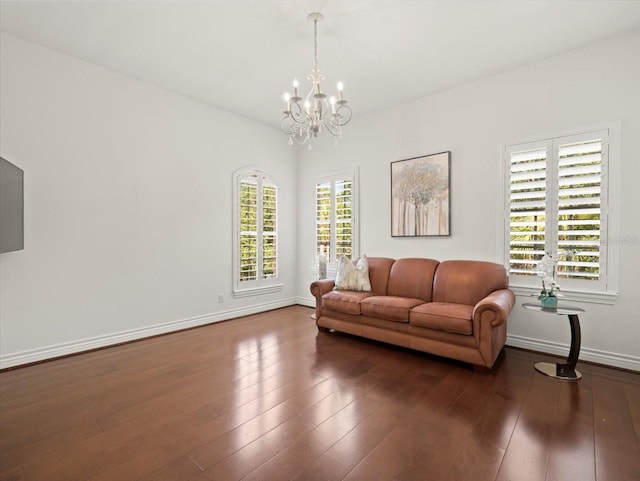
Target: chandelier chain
point(315, 42)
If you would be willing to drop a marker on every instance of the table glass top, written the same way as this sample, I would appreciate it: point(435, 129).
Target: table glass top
point(560, 310)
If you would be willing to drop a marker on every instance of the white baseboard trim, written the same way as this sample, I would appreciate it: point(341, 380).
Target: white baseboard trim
point(623, 361)
point(306, 301)
point(74, 347)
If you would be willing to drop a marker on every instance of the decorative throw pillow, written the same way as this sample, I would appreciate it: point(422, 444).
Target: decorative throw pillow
point(353, 277)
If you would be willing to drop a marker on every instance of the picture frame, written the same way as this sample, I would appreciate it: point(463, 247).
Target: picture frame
point(420, 196)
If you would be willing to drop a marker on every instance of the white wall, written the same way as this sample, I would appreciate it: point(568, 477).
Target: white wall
point(127, 206)
point(583, 88)
point(128, 195)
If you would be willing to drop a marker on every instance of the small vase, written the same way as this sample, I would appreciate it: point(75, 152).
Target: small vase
point(549, 301)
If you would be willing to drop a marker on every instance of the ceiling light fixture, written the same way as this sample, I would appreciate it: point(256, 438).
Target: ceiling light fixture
point(308, 117)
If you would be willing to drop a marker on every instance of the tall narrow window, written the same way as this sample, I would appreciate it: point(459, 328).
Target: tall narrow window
point(557, 203)
point(336, 209)
point(255, 225)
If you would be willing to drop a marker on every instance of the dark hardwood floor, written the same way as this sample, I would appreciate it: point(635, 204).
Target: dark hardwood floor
point(267, 397)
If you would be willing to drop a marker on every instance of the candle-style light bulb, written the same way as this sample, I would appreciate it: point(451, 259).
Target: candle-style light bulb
point(340, 88)
point(332, 101)
point(287, 100)
point(295, 87)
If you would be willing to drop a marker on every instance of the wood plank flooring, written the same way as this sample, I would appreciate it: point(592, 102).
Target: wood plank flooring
point(268, 397)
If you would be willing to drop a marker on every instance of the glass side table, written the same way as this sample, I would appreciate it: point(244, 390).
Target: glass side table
point(565, 371)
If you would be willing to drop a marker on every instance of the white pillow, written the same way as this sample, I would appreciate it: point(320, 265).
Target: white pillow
point(352, 277)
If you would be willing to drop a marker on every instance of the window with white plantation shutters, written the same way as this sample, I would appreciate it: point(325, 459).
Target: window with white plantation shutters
point(256, 228)
point(557, 203)
point(335, 205)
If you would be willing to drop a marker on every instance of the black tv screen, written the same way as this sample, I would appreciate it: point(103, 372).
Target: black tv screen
point(11, 207)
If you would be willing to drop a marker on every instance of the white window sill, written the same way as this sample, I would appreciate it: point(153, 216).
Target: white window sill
point(256, 291)
point(608, 298)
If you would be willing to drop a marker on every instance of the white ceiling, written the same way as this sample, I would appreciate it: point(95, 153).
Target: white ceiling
point(241, 55)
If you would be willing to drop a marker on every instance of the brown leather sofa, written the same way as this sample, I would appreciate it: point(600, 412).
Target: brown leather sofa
point(456, 309)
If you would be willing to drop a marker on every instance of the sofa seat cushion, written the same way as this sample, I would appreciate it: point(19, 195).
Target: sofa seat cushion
point(347, 302)
point(443, 316)
point(389, 308)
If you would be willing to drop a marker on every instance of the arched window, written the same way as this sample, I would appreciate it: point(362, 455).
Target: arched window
point(255, 233)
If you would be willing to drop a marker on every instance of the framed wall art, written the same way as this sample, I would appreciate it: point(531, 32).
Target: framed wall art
point(420, 196)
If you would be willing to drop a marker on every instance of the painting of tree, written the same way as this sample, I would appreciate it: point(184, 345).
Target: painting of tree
point(420, 196)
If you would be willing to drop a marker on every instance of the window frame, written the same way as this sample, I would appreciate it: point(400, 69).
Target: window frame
point(603, 291)
point(260, 285)
point(333, 178)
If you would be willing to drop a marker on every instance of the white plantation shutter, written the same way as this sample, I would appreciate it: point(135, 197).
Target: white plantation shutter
point(557, 203)
point(269, 230)
point(249, 229)
point(324, 219)
point(336, 228)
point(527, 209)
point(580, 209)
point(344, 222)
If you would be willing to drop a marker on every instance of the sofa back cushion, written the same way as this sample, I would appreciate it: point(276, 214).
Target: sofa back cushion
point(379, 268)
point(467, 282)
point(412, 278)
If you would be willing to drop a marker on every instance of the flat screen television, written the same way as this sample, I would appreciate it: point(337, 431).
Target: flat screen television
point(11, 207)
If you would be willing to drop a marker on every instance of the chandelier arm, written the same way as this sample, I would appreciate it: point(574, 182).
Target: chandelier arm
point(333, 129)
point(297, 113)
point(296, 132)
point(288, 126)
point(343, 115)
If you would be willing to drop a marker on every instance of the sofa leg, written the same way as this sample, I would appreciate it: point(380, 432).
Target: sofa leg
point(323, 329)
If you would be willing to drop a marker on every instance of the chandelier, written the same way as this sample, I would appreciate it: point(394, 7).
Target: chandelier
point(308, 117)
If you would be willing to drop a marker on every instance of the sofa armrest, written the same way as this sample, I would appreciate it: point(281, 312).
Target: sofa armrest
point(321, 287)
point(499, 302)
